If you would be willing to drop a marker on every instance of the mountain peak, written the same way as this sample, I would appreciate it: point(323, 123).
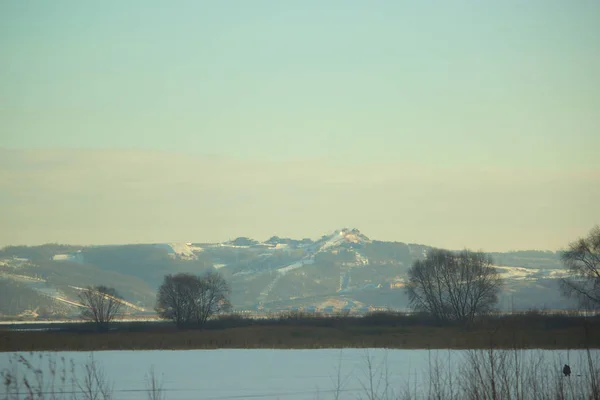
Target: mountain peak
point(342, 236)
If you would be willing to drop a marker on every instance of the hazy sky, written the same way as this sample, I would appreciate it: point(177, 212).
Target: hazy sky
point(454, 123)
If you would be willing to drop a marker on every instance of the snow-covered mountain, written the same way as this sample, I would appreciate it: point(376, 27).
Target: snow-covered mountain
point(343, 269)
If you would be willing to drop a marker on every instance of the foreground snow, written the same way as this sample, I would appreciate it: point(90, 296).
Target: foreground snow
point(283, 374)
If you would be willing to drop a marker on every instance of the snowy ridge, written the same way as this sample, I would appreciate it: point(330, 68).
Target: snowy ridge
point(327, 242)
point(258, 269)
point(344, 235)
point(185, 250)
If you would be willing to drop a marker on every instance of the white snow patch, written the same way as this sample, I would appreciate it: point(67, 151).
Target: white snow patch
point(344, 235)
point(296, 265)
point(184, 250)
point(245, 272)
point(520, 273)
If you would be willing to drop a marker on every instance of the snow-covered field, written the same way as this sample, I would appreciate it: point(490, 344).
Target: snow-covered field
point(531, 274)
point(282, 374)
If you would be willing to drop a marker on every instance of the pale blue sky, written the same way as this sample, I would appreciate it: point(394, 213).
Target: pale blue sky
point(511, 86)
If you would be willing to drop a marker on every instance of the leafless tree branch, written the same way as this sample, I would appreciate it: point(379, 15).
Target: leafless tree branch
point(101, 305)
point(454, 286)
point(187, 299)
point(582, 258)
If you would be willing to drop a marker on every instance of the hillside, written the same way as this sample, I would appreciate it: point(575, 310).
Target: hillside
point(344, 270)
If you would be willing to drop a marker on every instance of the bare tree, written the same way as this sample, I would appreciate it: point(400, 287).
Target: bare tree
point(213, 297)
point(174, 298)
point(101, 305)
point(187, 299)
point(454, 286)
point(583, 261)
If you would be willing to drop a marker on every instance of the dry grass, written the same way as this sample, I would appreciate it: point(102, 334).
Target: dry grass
point(304, 337)
point(302, 331)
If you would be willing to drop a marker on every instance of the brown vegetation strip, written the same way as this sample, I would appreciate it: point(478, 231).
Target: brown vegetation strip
point(300, 337)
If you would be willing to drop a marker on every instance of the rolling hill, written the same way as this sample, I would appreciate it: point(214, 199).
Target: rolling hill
point(344, 270)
